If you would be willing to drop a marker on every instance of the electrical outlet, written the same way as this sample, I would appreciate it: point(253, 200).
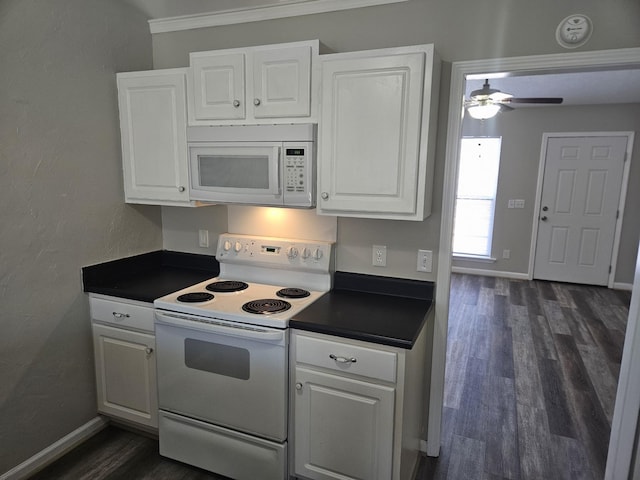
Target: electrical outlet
point(519, 203)
point(506, 253)
point(511, 203)
point(203, 238)
point(425, 261)
point(379, 256)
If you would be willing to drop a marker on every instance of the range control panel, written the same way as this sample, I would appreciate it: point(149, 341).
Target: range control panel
point(274, 252)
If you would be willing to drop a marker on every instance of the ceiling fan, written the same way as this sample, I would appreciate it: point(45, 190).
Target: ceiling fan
point(486, 102)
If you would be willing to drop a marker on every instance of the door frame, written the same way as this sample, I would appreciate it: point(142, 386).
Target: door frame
point(621, 201)
point(588, 60)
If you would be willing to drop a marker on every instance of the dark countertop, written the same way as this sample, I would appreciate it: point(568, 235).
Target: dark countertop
point(389, 311)
point(384, 310)
point(150, 275)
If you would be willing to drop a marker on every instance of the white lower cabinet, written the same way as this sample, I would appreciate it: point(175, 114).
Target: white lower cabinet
point(125, 362)
point(343, 427)
point(357, 408)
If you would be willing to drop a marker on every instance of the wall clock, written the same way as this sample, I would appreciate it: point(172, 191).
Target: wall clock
point(574, 31)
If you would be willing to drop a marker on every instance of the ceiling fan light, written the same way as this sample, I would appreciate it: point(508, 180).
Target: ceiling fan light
point(482, 112)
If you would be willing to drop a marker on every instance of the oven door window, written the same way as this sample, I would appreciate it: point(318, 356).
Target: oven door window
point(217, 358)
point(253, 169)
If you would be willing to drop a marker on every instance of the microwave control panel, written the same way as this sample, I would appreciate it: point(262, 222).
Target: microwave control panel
point(298, 173)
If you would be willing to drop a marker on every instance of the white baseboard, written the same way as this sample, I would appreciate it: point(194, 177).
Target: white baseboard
point(490, 273)
point(423, 446)
point(55, 450)
point(622, 286)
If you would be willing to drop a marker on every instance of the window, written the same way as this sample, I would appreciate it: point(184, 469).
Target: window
point(476, 197)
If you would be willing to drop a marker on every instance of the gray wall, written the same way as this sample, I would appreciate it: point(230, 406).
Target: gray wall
point(460, 30)
point(521, 132)
point(62, 205)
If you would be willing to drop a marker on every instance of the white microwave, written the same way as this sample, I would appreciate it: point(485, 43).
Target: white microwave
point(270, 165)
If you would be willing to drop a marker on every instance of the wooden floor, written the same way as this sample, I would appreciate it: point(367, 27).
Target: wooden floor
point(531, 378)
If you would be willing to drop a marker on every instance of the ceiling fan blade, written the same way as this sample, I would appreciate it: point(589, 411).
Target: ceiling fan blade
point(552, 100)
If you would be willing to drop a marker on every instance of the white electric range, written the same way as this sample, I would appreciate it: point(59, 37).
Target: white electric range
point(222, 353)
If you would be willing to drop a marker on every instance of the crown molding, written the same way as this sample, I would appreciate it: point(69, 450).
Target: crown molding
point(292, 8)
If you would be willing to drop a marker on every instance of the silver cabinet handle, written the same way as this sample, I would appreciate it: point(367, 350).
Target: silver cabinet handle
point(342, 359)
point(236, 103)
point(298, 386)
point(324, 195)
point(120, 316)
point(148, 350)
point(181, 189)
point(256, 101)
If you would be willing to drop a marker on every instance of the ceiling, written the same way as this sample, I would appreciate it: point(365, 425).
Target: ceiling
point(578, 88)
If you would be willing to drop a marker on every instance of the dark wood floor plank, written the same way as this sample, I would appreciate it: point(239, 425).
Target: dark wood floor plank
point(528, 386)
point(574, 370)
point(604, 381)
point(594, 429)
point(555, 398)
point(570, 461)
point(470, 421)
point(578, 328)
point(467, 458)
point(555, 314)
point(516, 293)
point(533, 443)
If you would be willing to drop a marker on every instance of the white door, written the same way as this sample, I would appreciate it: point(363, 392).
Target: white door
point(578, 210)
point(282, 82)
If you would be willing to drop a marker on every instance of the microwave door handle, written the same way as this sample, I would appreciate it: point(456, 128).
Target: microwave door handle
point(278, 173)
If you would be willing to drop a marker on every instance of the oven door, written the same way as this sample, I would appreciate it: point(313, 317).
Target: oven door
point(236, 172)
point(228, 374)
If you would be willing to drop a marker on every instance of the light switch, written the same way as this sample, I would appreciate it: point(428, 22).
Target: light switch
point(425, 261)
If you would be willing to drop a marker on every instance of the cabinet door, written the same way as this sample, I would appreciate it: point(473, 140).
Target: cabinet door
point(126, 374)
point(218, 86)
point(153, 121)
point(370, 132)
point(282, 82)
point(343, 427)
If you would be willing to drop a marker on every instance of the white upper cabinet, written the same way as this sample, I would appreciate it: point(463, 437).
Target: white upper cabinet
point(264, 84)
point(377, 133)
point(153, 122)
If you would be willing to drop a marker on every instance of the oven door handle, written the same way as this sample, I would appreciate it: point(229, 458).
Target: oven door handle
point(220, 327)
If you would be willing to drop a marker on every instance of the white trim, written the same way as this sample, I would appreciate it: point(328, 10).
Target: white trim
point(55, 450)
point(459, 73)
point(490, 273)
point(621, 201)
point(622, 442)
point(472, 258)
point(623, 286)
point(292, 8)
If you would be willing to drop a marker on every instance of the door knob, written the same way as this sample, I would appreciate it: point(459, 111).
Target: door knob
point(256, 101)
point(298, 386)
point(181, 189)
point(543, 218)
point(324, 195)
point(545, 208)
point(236, 103)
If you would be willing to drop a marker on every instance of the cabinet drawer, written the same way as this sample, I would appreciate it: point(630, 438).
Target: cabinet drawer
point(346, 358)
point(125, 315)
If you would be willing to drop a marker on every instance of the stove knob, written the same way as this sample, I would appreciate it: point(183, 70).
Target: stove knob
point(306, 253)
point(237, 247)
point(227, 245)
point(292, 252)
point(317, 254)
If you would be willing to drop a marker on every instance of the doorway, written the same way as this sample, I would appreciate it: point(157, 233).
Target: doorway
point(460, 71)
point(581, 193)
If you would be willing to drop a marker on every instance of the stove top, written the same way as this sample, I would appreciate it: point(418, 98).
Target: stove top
point(273, 309)
point(263, 281)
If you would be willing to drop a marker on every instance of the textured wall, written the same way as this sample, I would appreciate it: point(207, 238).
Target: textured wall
point(62, 205)
point(521, 133)
point(460, 30)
